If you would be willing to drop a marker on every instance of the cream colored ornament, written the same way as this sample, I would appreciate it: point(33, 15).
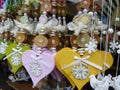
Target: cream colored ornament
point(26, 26)
point(76, 28)
point(84, 18)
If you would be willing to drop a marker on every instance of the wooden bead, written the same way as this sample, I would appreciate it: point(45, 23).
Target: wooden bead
point(1, 36)
point(3, 17)
point(6, 34)
point(54, 10)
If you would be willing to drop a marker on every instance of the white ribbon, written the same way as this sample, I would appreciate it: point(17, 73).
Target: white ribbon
point(14, 51)
point(39, 59)
point(85, 60)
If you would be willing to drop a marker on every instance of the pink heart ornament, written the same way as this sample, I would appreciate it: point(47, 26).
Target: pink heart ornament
point(37, 66)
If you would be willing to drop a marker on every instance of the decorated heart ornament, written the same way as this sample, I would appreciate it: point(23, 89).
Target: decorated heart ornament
point(3, 46)
point(37, 66)
point(14, 56)
point(77, 69)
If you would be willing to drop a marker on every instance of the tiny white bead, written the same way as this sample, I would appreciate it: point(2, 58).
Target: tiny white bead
point(85, 10)
point(100, 22)
point(79, 12)
point(90, 13)
point(53, 15)
point(104, 32)
point(110, 30)
point(118, 51)
point(44, 12)
point(118, 33)
point(117, 19)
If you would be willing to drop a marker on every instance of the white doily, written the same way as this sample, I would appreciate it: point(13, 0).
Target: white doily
point(3, 47)
point(16, 59)
point(80, 71)
point(91, 46)
point(35, 69)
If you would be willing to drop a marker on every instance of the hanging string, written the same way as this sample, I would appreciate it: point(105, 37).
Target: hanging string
point(115, 20)
point(117, 67)
point(93, 9)
point(106, 44)
point(101, 35)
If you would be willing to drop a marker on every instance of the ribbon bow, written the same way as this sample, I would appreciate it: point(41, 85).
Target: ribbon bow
point(85, 60)
point(14, 51)
point(39, 59)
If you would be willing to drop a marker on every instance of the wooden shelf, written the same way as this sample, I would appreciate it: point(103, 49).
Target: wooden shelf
point(22, 85)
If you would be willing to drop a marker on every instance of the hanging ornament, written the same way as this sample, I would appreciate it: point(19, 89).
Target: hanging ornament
point(43, 19)
point(35, 8)
point(53, 40)
point(66, 59)
point(41, 41)
point(54, 8)
point(113, 45)
point(46, 6)
point(26, 7)
point(91, 46)
point(103, 84)
point(116, 82)
point(21, 36)
point(73, 41)
point(82, 39)
point(85, 3)
point(13, 55)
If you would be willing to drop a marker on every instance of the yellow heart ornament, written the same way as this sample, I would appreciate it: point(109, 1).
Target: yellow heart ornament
point(14, 56)
point(77, 69)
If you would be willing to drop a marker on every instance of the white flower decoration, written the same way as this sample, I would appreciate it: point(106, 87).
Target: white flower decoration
point(3, 47)
point(35, 69)
point(16, 59)
point(113, 45)
point(80, 71)
point(91, 46)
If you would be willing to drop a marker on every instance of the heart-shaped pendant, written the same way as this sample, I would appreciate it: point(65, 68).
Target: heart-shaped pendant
point(14, 56)
point(77, 69)
point(37, 66)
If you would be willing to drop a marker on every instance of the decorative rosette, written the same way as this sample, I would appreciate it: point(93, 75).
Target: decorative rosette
point(80, 71)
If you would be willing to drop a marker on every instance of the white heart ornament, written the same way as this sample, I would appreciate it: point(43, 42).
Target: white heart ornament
point(37, 66)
